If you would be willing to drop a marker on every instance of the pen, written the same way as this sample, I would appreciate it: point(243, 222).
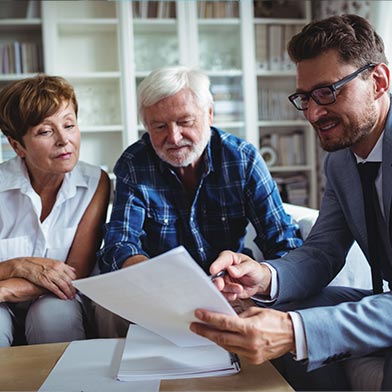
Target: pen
point(218, 275)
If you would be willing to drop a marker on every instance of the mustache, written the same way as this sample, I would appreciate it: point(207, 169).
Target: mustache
point(182, 143)
point(325, 121)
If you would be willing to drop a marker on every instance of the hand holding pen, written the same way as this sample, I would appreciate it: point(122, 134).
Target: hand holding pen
point(238, 276)
point(220, 274)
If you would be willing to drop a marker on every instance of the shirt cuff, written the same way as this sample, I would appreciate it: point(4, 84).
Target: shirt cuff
point(301, 348)
point(274, 288)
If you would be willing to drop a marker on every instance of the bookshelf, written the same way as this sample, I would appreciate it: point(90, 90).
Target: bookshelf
point(105, 48)
point(286, 140)
point(21, 52)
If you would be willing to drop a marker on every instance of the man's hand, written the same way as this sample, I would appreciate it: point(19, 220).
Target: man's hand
point(136, 259)
point(245, 277)
point(258, 334)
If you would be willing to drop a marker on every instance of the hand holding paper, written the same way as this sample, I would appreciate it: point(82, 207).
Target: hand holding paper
point(160, 294)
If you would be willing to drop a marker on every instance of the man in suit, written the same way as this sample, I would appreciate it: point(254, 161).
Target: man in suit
point(332, 338)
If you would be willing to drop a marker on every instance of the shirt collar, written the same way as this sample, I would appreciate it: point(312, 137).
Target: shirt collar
point(17, 177)
point(376, 153)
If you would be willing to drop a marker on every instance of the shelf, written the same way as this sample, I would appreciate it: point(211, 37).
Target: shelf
point(281, 21)
point(101, 128)
point(283, 123)
point(11, 77)
point(231, 73)
point(218, 22)
point(289, 169)
point(81, 26)
point(229, 124)
point(97, 76)
point(20, 24)
point(154, 25)
point(274, 74)
point(73, 10)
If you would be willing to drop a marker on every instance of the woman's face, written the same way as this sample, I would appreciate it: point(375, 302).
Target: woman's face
point(52, 147)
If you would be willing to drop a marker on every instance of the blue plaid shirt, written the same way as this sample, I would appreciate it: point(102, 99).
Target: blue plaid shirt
point(152, 212)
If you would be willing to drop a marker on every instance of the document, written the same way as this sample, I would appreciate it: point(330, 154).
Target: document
point(92, 366)
point(148, 356)
point(160, 294)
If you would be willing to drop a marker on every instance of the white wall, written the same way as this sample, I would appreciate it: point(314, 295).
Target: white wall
point(381, 20)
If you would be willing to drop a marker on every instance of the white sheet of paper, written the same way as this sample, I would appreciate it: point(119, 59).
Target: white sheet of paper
point(92, 366)
point(160, 294)
point(148, 356)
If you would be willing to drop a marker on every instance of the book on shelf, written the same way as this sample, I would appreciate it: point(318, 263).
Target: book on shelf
point(154, 9)
point(271, 46)
point(274, 105)
point(293, 9)
point(20, 57)
point(275, 47)
point(294, 189)
point(217, 9)
point(288, 32)
point(289, 148)
point(17, 57)
point(228, 109)
point(261, 39)
point(33, 9)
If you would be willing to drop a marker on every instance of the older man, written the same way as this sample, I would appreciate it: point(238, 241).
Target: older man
point(188, 183)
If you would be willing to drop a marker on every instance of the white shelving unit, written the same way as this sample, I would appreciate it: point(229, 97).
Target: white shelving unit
point(105, 48)
point(81, 41)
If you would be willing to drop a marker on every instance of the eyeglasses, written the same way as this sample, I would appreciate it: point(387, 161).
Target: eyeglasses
point(324, 95)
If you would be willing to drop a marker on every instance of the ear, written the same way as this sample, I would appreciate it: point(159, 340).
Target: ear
point(381, 77)
point(210, 116)
point(18, 148)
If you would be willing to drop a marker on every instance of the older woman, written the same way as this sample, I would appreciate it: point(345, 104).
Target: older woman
point(52, 211)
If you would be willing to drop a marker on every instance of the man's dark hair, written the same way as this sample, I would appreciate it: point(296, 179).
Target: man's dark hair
point(352, 36)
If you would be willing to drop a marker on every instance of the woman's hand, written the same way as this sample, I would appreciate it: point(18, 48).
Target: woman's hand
point(50, 274)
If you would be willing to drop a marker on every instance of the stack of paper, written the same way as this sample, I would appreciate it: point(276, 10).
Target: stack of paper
point(92, 366)
point(148, 356)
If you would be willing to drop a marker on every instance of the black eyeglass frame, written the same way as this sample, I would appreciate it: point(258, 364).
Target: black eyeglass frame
point(332, 87)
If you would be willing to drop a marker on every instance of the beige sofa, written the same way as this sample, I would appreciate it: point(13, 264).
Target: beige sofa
point(356, 271)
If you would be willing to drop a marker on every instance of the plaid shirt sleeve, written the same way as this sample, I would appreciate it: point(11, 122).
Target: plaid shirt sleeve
point(277, 233)
point(123, 232)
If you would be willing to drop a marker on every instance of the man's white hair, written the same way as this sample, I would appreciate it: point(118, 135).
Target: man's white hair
point(167, 81)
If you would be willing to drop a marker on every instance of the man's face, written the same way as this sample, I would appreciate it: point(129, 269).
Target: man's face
point(179, 130)
point(348, 121)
